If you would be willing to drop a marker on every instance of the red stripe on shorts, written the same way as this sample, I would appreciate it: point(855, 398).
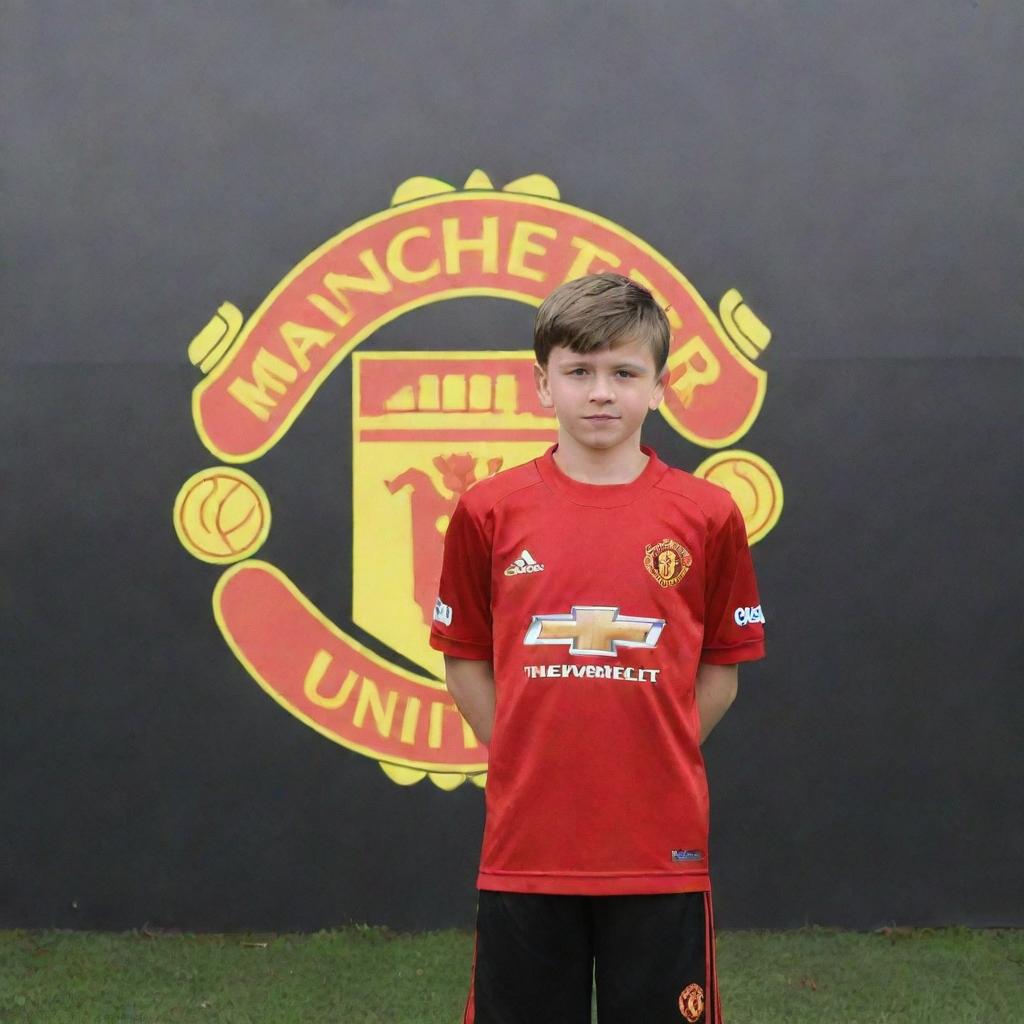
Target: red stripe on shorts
point(713, 999)
point(470, 1015)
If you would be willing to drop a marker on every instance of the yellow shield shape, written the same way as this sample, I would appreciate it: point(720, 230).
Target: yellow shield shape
point(425, 428)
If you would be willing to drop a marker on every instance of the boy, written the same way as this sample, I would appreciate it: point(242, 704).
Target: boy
point(593, 607)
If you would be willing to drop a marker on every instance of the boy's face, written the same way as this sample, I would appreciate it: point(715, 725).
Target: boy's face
point(601, 398)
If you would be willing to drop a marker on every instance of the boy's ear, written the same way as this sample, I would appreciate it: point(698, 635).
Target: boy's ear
point(659, 389)
point(540, 379)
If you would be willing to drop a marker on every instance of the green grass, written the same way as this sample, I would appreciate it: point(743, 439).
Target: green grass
point(373, 976)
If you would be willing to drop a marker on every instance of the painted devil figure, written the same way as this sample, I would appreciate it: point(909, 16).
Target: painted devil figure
point(431, 508)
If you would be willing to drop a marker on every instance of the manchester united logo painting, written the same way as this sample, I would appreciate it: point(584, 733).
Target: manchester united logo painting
point(425, 427)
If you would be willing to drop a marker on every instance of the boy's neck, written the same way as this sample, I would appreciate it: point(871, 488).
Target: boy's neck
point(619, 465)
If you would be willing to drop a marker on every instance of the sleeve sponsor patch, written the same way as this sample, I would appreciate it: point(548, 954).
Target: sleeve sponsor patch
point(442, 612)
point(747, 616)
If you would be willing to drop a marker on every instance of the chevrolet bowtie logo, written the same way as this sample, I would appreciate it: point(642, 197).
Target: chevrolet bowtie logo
point(594, 630)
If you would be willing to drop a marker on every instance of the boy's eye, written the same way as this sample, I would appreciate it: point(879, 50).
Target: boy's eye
point(624, 373)
point(578, 371)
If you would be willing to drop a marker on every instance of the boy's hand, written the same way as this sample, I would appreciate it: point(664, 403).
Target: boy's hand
point(716, 690)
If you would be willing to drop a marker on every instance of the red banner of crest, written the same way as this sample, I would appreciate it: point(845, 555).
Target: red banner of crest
point(455, 245)
point(333, 683)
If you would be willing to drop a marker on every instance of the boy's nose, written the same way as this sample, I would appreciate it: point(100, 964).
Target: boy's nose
point(602, 391)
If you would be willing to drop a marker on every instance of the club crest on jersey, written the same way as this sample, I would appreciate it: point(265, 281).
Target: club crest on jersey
point(667, 561)
point(524, 564)
point(589, 629)
point(691, 1002)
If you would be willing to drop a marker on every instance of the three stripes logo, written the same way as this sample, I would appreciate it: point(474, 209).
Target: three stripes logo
point(523, 564)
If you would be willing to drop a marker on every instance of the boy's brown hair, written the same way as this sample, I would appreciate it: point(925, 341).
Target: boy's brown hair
point(599, 310)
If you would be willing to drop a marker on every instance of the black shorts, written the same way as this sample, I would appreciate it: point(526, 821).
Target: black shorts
point(652, 959)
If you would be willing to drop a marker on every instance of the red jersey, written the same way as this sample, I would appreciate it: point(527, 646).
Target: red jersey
point(596, 603)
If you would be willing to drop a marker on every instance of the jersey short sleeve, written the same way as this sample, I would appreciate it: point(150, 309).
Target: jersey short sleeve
point(734, 621)
point(462, 613)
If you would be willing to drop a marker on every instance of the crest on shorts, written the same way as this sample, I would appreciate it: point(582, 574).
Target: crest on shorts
point(691, 1002)
point(667, 561)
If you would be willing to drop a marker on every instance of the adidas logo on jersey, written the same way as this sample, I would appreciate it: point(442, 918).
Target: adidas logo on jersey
point(523, 564)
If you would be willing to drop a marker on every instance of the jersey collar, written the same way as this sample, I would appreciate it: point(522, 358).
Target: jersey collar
point(600, 495)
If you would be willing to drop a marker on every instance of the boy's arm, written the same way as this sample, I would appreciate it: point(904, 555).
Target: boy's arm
point(471, 684)
point(716, 690)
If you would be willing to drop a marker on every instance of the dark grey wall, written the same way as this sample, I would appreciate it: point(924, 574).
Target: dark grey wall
point(852, 168)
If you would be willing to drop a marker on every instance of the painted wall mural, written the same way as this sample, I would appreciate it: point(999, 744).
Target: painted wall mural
point(425, 427)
